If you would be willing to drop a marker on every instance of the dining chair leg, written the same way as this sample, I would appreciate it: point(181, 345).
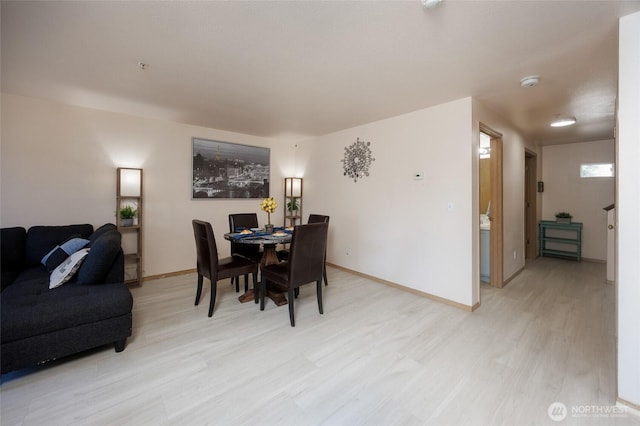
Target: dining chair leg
point(324, 274)
point(237, 280)
point(214, 290)
point(256, 290)
point(319, 291)
point(291, 298)
point(246, 282)
point(263, 290)
point(199, 290)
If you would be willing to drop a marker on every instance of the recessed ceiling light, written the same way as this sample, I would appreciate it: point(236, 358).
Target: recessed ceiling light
point(530, 81)
point(563, 121)
point(431, 4)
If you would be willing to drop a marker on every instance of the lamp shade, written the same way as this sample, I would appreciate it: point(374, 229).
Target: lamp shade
point(130, 182)
point(293, 187)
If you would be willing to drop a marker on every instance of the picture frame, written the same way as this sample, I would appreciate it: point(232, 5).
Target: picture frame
point(223, 170)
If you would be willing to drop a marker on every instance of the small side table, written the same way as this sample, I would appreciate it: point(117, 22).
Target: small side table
point(567, 235)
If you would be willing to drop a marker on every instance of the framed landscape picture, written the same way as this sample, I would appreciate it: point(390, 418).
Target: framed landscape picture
point(228, 170)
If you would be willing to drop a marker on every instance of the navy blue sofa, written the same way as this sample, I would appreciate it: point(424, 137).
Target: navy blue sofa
point(40, 324)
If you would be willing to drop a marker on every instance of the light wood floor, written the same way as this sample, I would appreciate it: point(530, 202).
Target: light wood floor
point(378, 356)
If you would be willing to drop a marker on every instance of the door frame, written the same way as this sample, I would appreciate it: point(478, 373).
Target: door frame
point(531, 197)
point(497, 220)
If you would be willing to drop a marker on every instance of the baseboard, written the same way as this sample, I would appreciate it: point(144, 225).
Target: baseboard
point(351, 271)
point(409, 289)
point(168, 274)
point(630, 408)
point(512, 277)
point(587, 259)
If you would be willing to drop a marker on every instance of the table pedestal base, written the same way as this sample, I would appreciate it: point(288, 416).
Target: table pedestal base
point(269, 257)
point(278, 297)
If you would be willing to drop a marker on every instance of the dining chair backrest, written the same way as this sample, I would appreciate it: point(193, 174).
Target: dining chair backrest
point(207, 252)
point(318, 218)
point(306, 259)
point(244, 220)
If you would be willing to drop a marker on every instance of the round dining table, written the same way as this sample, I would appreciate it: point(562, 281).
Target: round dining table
point(269, 257)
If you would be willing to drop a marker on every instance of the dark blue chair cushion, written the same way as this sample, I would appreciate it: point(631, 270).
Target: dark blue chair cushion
point(102, 254)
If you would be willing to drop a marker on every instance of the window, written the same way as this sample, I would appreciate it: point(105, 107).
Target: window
point(596, 170)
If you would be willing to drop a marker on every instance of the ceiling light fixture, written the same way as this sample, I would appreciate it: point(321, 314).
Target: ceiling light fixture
point(563, 121)
point(143, 65)
point(530, 81)
point(431, 4)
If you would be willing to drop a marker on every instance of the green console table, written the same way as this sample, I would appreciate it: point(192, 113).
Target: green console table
point(569, 235)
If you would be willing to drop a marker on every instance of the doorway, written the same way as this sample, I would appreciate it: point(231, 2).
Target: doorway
point(530, 205)
point(491, 181)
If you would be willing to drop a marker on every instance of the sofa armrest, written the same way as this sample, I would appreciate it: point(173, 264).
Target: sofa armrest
point(116, 273)
point(12, 253)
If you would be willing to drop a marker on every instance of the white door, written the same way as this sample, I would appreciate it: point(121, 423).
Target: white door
point(611, 246)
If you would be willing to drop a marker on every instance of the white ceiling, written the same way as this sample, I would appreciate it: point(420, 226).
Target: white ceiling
point(298, 69)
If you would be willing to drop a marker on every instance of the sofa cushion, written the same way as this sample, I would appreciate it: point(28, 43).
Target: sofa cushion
point(101, 230)
point(41, 239)
point(102, 254)
point(34, 272)
point(29, 308)
point(67, 269)
point(12, 242)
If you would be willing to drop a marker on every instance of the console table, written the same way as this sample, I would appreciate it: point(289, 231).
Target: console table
point(569, 235)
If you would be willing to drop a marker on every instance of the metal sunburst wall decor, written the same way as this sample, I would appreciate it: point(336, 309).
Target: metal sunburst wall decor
point(357, 159)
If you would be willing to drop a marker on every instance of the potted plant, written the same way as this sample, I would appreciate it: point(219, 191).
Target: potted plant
point(563, 217)
point(268, 205)
point(293, 205)
point(127, 213)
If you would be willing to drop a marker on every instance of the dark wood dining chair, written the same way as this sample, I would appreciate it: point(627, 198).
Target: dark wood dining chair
point(305, 265)
point(313, 218)
point(209, 266)
point(251, 252)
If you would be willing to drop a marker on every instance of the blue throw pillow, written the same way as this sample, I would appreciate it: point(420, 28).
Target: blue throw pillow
point(46, 256)
point(61, 252)
point(102, 254)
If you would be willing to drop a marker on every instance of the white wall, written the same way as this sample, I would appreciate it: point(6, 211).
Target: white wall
point(58, 166)
point(584, 198)
point(65, 156)
point(394, 227)
point(628, 207)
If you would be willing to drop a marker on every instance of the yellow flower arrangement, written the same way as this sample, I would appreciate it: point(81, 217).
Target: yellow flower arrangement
point(268, 205)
